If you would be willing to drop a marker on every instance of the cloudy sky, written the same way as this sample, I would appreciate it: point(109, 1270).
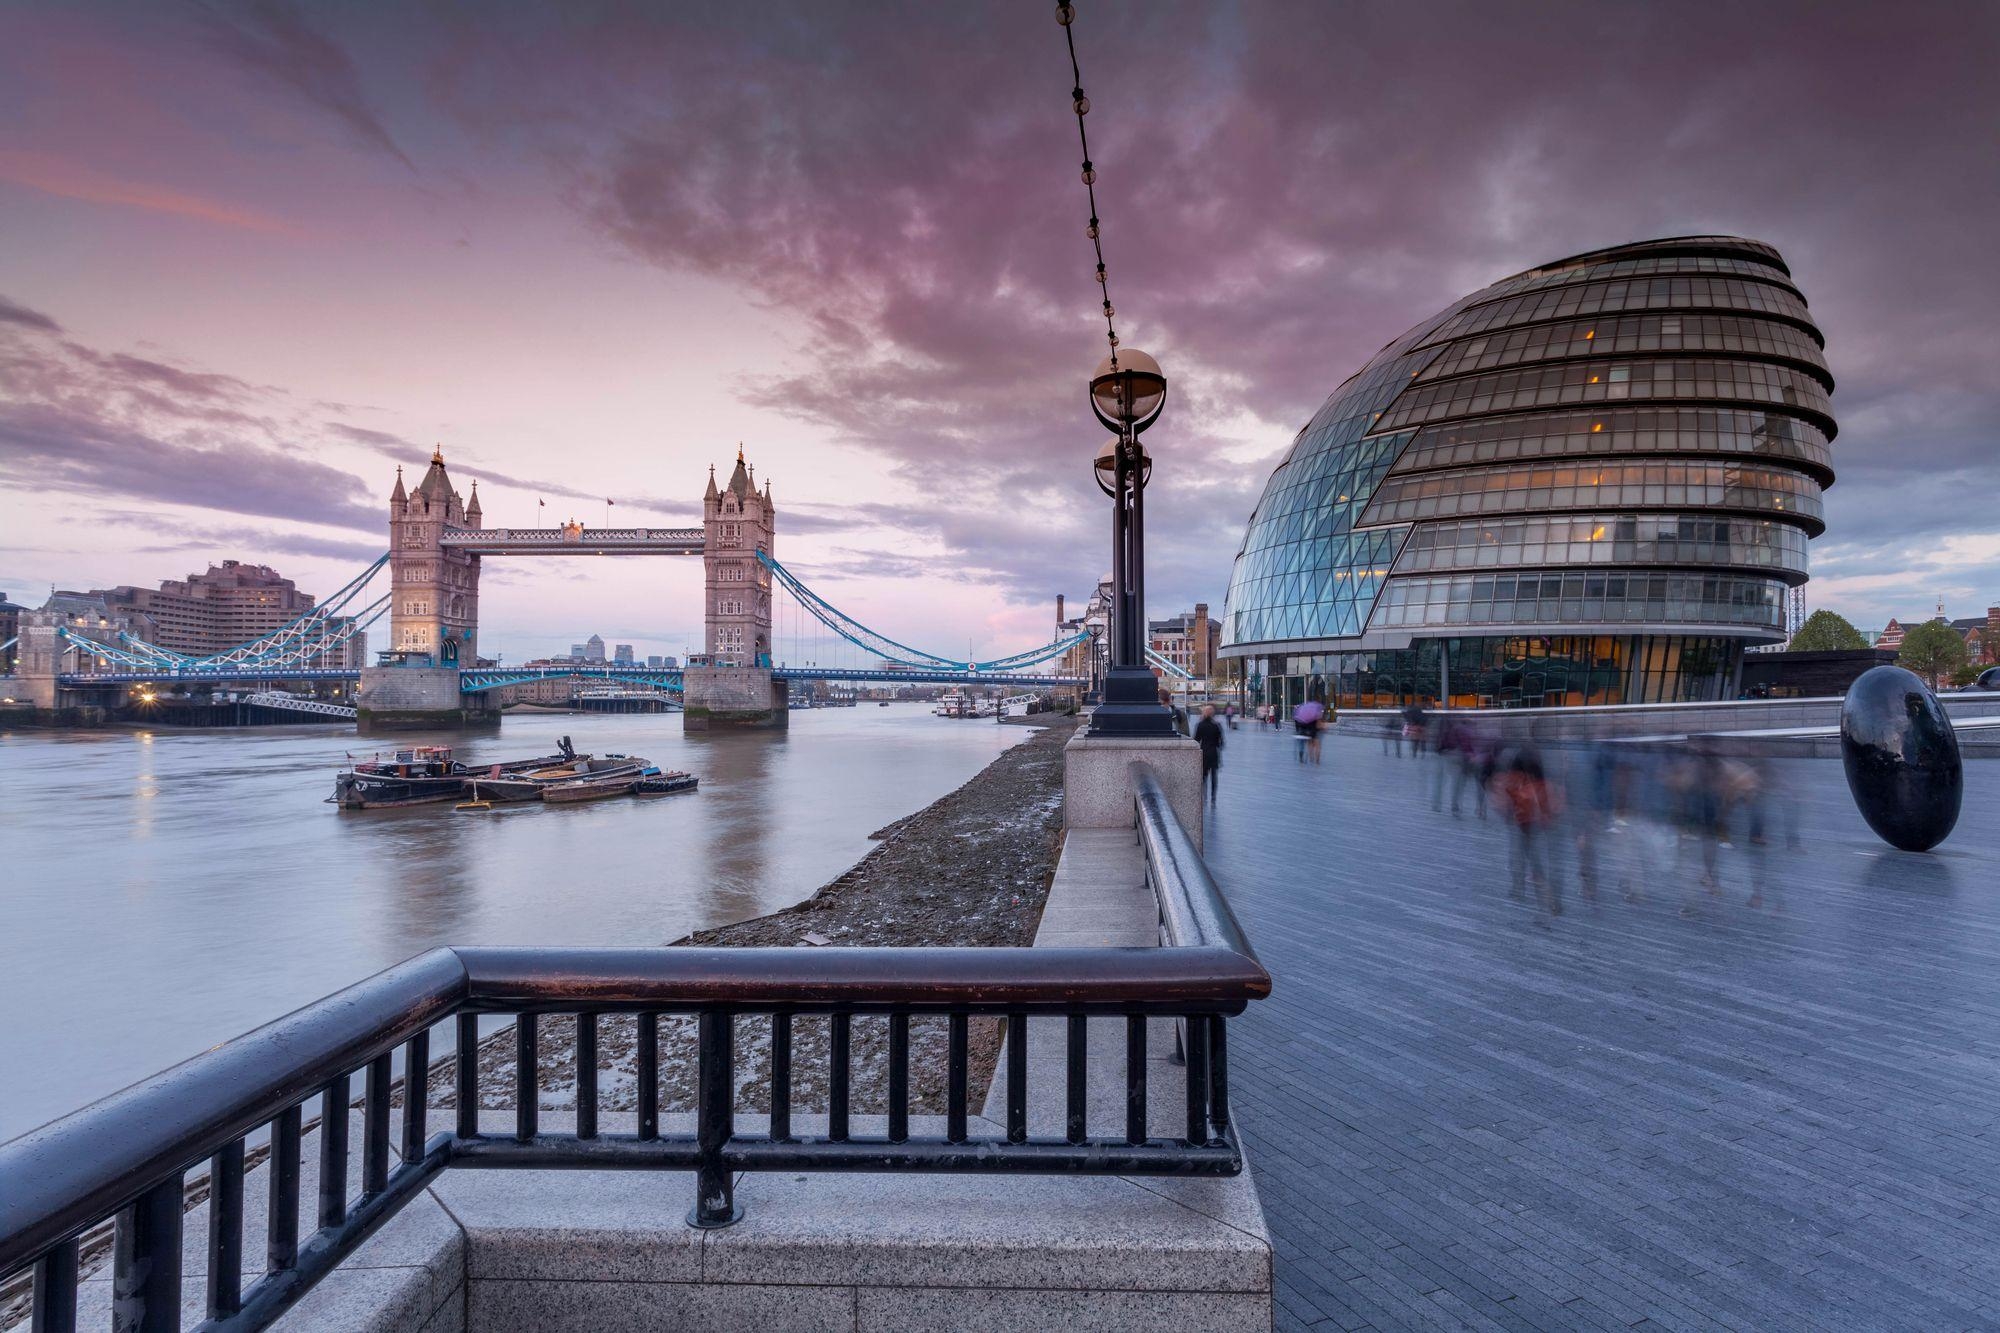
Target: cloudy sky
point(257, 255)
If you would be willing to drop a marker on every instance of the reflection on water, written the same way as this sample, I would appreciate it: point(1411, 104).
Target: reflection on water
point(164, 891)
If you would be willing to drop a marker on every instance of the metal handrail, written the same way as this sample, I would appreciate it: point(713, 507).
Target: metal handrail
point(1193, 912)
point(127, 1155)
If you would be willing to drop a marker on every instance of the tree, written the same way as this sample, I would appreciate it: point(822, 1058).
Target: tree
point(1826, 632)
point(1932, 649)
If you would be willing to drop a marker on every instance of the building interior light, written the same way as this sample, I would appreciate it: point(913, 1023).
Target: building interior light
point(1596, 426)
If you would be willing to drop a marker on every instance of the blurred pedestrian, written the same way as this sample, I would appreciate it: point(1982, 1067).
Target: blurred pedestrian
point(1208, 735)
point(1595, 812)
point(1415, 724)
point(1305, 721)
point(1530, 804)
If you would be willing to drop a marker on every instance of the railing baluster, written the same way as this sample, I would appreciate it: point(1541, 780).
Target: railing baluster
point(1017, 1077)
point(781, 1076)
point(648, 1072)
point(468, 1076)
point(586, 1076)
point(55, 1289)
point(836, 1076)
point(333, 1153)
point(375, 1124)
point(1218, 1071)
point(1197, 1080)
point(281, 1250)
point(225, 1231)
point(416, 1094)
point(527, 1093)
point(899, 1078)
point(955, 1079)
point(715, 1120)
point(146, 1269)
point(1078, 1070)
point(1135, 1078)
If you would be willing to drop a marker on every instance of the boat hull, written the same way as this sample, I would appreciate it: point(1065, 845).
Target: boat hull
point(666, 784)
point(570, 793)
point(367, 791)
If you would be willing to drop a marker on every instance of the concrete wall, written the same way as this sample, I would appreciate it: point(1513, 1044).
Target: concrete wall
point(732, 697)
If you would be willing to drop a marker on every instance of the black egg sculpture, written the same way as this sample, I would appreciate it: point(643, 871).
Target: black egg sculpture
point(1901, 758)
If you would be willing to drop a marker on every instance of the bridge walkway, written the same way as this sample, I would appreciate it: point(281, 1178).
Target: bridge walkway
point(1464, 1113)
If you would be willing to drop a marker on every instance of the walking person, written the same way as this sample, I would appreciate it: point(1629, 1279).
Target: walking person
point(1305, 719)
point(1530, 805)
point(1415, 721)
point(1208, 735)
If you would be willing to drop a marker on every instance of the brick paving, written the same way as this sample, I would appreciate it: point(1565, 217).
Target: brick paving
point(1677, 1113)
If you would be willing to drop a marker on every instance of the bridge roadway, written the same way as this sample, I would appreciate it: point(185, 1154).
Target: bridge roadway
point(579, 540)
point(1464, 1113)
point(486, 678)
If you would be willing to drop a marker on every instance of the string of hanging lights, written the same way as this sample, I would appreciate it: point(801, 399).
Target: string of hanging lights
point(1066, 15)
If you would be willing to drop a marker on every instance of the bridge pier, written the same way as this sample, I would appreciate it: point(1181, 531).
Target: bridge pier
point(718, 697)
point(414, 698)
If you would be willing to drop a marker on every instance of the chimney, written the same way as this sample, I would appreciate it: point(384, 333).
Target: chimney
point(1059, 610)
point(1201, 663)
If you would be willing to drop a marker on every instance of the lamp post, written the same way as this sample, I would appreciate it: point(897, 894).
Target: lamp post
point(1127, 392)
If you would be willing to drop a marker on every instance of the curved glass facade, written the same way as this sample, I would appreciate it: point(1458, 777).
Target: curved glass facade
point(1622, 453)
point(1628, 482)
point(1644, 430)
point(1608, 539)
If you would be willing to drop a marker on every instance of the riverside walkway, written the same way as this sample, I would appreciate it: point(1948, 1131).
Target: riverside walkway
point(1676, 1113)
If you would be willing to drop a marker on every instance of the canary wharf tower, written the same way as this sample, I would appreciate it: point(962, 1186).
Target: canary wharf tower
point(1589, 483)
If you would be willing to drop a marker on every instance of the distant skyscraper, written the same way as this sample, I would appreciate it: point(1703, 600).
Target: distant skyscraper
point(622, 654)
point(576, 651)
point(593, 649)
point(656, 662)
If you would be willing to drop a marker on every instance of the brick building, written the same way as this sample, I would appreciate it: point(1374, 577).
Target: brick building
point(1189, 640)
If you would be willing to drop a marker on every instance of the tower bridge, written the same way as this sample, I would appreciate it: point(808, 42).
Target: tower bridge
point(430, 673)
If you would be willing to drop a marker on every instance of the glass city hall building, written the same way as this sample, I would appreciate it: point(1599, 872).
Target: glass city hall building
point(1590, 483)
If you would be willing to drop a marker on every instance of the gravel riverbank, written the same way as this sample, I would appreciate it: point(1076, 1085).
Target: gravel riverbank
point(971, 868)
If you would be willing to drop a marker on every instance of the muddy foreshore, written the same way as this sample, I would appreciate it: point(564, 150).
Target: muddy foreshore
point(971, 868)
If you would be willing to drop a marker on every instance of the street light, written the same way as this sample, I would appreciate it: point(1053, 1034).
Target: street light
point(1127, 392)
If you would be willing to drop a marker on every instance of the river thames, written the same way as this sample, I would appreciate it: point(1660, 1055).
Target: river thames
point(167, 890)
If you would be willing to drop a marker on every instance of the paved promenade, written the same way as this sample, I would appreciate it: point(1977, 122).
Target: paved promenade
point(1681, 1112)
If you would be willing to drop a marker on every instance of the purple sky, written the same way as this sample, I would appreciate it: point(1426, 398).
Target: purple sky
point(257, 254)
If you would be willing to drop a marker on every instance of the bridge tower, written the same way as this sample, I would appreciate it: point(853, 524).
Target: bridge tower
point(738, 521)
point(731, 685)
point(433, 613)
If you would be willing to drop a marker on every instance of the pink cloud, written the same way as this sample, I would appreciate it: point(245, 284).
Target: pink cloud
point(75, 180)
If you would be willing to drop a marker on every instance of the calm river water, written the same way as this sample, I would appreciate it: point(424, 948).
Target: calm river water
point(164, 891)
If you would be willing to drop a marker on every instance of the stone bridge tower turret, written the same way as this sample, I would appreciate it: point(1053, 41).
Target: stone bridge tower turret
point(434, 590)
point(738, 521)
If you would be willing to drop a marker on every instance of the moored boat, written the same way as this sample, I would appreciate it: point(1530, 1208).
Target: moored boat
point(662, 784)
point(415, 776)
point(585, 766)
point(589, 789)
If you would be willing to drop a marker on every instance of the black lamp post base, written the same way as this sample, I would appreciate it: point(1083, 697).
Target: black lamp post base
point(1131, 706)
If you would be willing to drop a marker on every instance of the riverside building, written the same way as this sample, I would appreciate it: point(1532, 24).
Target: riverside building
point(1590, 483)
point(232, 603)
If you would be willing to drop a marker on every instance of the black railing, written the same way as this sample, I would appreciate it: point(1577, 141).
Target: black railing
point(127, 1157)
